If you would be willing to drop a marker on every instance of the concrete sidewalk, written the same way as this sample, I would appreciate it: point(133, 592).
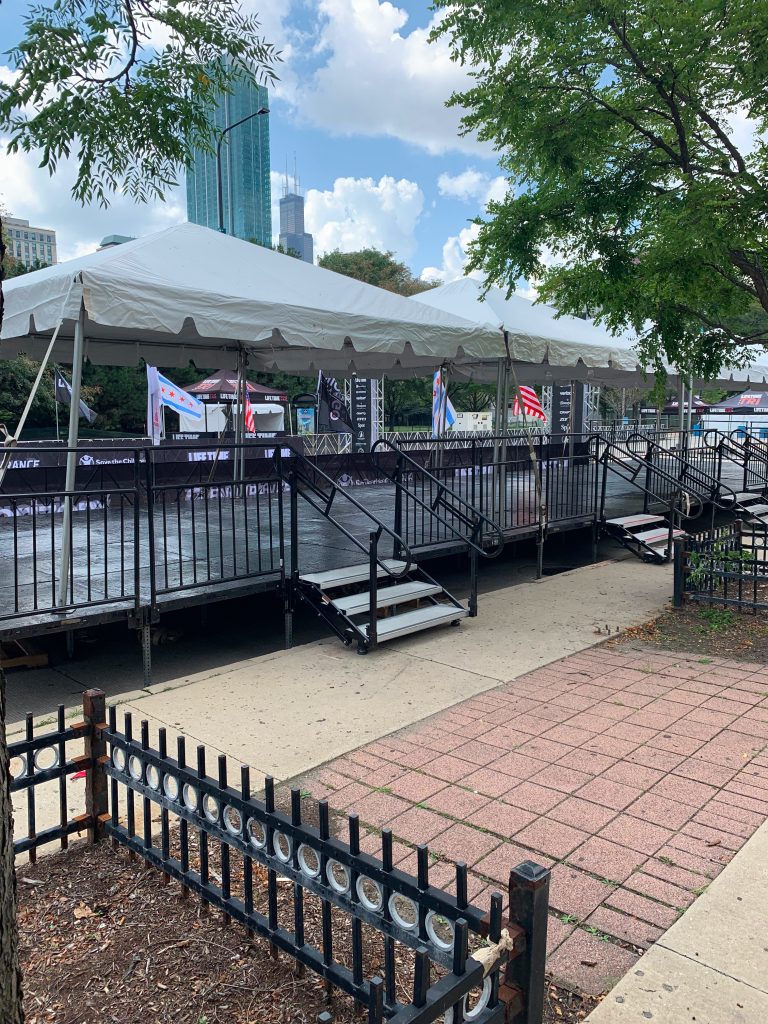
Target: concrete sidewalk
point(712, 966)
point(285, 713)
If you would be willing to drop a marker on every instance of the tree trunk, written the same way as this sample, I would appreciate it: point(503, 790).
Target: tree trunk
point(11, 1009)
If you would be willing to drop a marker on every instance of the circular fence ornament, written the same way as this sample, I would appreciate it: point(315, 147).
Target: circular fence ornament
point(476, 1010)
point(171, 787)
point(233, 820)
point(135, 768)
point(46, 758)
point(118, 758)
point(309, 861)
point(370, 894)
point(282, 847)
point(190, 796)
point(153, 777)
point(18, 766)
point(404, 912)
point(338, 877)
point(440, 930)
point(211, 808)
point(257, 834)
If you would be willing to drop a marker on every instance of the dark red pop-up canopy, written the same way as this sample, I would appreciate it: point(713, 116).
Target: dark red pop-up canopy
point(222, 387)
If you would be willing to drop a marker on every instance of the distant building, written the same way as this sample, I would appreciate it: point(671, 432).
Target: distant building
point(246, 192)
point(28, 244)
point(111, 240)
point(293, 237)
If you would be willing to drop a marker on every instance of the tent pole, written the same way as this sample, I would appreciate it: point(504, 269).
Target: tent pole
point(69, 484)
point(690, 404)
point(681, 404)
point(244, 429)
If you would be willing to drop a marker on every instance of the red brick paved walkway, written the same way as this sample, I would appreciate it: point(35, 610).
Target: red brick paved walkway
point(635, 775)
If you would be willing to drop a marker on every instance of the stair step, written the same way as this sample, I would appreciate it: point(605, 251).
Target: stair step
point(416, 620)
point(387, 597)
point(650, 536)
point(347, 574)
point(756, 510)
point(743, 496)
point(636, 520)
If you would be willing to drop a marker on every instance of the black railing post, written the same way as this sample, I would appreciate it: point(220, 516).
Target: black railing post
point(96, 796)
point(528, 908)
point(136, 532)
point(678, 572)
point(398, 525)
point(293, 581)
point(373, 591)
point(473, 574)
point(150, 485)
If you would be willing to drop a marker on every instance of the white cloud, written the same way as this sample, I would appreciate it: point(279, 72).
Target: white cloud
point(454, 258)
point(379, 79)
point(27, 190)
point(473, 185)
point(360, 213)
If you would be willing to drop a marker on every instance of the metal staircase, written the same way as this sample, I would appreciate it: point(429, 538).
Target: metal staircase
point(373, 600)
point(675, 490)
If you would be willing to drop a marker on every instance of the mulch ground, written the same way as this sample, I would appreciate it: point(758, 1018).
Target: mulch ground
point(716, 632)
point(103, 939)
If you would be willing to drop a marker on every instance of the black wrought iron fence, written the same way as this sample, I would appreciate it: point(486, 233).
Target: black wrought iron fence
point(726, 567)
point(369, 929)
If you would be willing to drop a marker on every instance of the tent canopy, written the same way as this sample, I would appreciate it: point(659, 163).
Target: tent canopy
point(221, 386)
point(537, 335)
point(189, 293)
point(748, 401)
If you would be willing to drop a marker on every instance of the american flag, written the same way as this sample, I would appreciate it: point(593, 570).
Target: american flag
point(250, 423)
point(531, 404)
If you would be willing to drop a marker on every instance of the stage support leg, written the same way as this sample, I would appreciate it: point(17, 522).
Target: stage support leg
point(69, 485)
point(70, 635)
point(145, 634)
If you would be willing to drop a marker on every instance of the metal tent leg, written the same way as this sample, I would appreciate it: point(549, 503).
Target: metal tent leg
point(145, 635)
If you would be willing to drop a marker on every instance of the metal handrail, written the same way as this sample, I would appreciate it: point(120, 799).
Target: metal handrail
point(674, 481)
point(301, 461)
point(716, 488)
point(473, 517)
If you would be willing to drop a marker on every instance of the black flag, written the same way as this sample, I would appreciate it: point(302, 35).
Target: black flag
point(332, 412)
point(63, 393)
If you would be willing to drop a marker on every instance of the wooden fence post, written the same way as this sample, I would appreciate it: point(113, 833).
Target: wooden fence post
point(96, 795)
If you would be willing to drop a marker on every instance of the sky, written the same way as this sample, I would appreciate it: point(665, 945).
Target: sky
point(360, 105)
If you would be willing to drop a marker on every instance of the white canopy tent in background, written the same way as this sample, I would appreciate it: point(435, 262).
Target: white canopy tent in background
point(269, 417)
point(555, 346)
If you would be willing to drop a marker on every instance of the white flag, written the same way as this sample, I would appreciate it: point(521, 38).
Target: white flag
point(154, 413)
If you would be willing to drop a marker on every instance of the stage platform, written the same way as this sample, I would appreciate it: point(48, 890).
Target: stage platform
point(135, 559)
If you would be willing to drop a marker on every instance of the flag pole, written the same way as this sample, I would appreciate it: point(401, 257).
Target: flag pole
point(55, 402)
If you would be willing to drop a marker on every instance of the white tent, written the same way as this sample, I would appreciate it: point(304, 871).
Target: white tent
point(192, 293)
point(568, 347)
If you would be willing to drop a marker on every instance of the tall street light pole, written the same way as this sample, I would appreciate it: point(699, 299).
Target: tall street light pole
point(219, 189)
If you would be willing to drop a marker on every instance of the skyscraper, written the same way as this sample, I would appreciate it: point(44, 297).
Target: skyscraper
point(247, 199)
point(293, 237)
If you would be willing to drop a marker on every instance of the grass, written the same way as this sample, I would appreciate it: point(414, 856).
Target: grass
point(716, 620)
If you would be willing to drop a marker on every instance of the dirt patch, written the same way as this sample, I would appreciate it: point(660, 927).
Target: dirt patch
point(709, 632)
point(103, 939)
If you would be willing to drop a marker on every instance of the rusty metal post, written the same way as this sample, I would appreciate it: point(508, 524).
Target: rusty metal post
point(528, 908)
point(96, 794)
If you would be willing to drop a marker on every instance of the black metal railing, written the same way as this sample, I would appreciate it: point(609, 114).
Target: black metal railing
point(222, 524)
point(40, 766)
point(96, 549)
point(748, 452)
point(233, 850)
point(726, 567)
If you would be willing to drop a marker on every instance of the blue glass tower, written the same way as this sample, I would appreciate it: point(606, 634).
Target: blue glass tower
point(244, 170)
